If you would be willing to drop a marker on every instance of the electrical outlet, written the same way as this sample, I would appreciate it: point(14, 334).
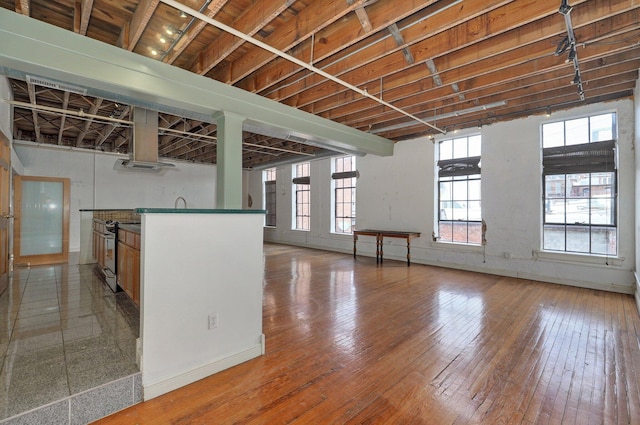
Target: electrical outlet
point(213, 321)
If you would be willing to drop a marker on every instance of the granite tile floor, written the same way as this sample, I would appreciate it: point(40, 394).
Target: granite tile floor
point(62, 331)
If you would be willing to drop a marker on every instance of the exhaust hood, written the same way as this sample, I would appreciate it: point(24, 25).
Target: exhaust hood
point(144, 154)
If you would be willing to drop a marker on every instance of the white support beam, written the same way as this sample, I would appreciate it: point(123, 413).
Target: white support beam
point(31, 47)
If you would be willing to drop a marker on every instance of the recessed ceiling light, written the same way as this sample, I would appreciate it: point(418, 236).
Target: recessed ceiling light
point(154, 52)
point(163, 40)
point(169, 31)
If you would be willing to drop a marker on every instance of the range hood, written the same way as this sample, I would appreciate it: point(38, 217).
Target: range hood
point(144, 154)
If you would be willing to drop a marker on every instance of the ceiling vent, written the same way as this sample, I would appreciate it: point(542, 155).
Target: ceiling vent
point(38, 81)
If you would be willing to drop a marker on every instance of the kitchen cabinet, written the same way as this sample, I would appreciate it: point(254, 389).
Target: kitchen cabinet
point(98, 250)
point(129, 263)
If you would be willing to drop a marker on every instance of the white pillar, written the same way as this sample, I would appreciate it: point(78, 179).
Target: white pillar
point(229, 160)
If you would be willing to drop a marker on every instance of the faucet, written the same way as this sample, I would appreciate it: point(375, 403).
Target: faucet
point(175, 204)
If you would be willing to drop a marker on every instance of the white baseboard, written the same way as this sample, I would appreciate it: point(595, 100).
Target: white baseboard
point(201, 372)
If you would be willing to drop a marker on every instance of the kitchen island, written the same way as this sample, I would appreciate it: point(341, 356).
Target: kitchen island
point(201, 276)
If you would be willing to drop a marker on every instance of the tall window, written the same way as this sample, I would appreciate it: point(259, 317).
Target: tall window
point(459, 201)
point(580, 193)
point(302, 188)
point(269, 177)
point(344, 186)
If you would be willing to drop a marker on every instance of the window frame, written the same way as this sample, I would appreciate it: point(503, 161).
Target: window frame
point(340, 176)
point(591, 159)
point(301, 189)
point(455, 168)
point(269, 177)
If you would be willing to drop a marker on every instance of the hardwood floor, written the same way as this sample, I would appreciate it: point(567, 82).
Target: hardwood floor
point(349, 342)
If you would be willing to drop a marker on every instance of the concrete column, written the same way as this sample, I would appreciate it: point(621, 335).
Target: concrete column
point(229, 162)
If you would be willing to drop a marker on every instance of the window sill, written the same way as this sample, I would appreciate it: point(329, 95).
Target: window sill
point(457, 246)
point(569, 257)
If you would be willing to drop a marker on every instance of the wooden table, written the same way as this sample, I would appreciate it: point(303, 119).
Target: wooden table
point(380, 235)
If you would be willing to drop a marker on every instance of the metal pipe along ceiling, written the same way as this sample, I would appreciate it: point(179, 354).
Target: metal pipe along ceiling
point(295, 60)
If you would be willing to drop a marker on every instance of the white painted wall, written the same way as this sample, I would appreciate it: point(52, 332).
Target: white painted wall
point(193, 266)
point(398, 193)
point(95, 185)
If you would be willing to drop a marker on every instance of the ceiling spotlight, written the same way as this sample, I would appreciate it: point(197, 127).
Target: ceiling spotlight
point(154, 52)
point(563, 45)
point(163, 40)
point(565, 9)
point(182, 14)
point(572, 54)
point(548, 112)
point(169, 31)
point(576, 78)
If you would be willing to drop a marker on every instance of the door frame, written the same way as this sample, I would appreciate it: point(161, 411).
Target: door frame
point(41, 259)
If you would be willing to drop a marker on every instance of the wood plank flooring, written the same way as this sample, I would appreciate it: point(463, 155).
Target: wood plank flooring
point(349, 342)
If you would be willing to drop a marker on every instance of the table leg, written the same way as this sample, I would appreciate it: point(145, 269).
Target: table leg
point(355, 239)
point(408, 252)
point(381, 243)
point(377, 249)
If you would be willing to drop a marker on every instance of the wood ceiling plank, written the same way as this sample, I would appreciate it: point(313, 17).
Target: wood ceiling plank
point(486, 94)
point(130, 36)
point(341, 39)
point(212, 10)
point(496, 52)
point(516, 95)
point(368, 65)
point(530, 68)
point(250, 22)
point(310, 20)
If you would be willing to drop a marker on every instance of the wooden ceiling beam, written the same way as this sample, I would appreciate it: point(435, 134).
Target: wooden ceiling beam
point(109, 127)
point(367, 66)
point(87, 124)
point(514, 93)
point(310, 20)
point(23, 7)
point(131, 32)
point(503, 50)
point(84, 13)
point(212, 10)
point(487, 94)
point(504, 85)
point(34, 113)
point(249, 22)
point(344, 37)
point(499, 80)
point(65, 105)
point(361, 13)
point(559, 98)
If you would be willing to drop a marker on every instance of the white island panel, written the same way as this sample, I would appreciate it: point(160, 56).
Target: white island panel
point(194, 266)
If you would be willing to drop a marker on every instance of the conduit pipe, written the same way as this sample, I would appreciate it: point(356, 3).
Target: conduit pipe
point(295, 60)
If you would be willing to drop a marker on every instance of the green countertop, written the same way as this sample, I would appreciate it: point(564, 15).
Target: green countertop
point(194, 211)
